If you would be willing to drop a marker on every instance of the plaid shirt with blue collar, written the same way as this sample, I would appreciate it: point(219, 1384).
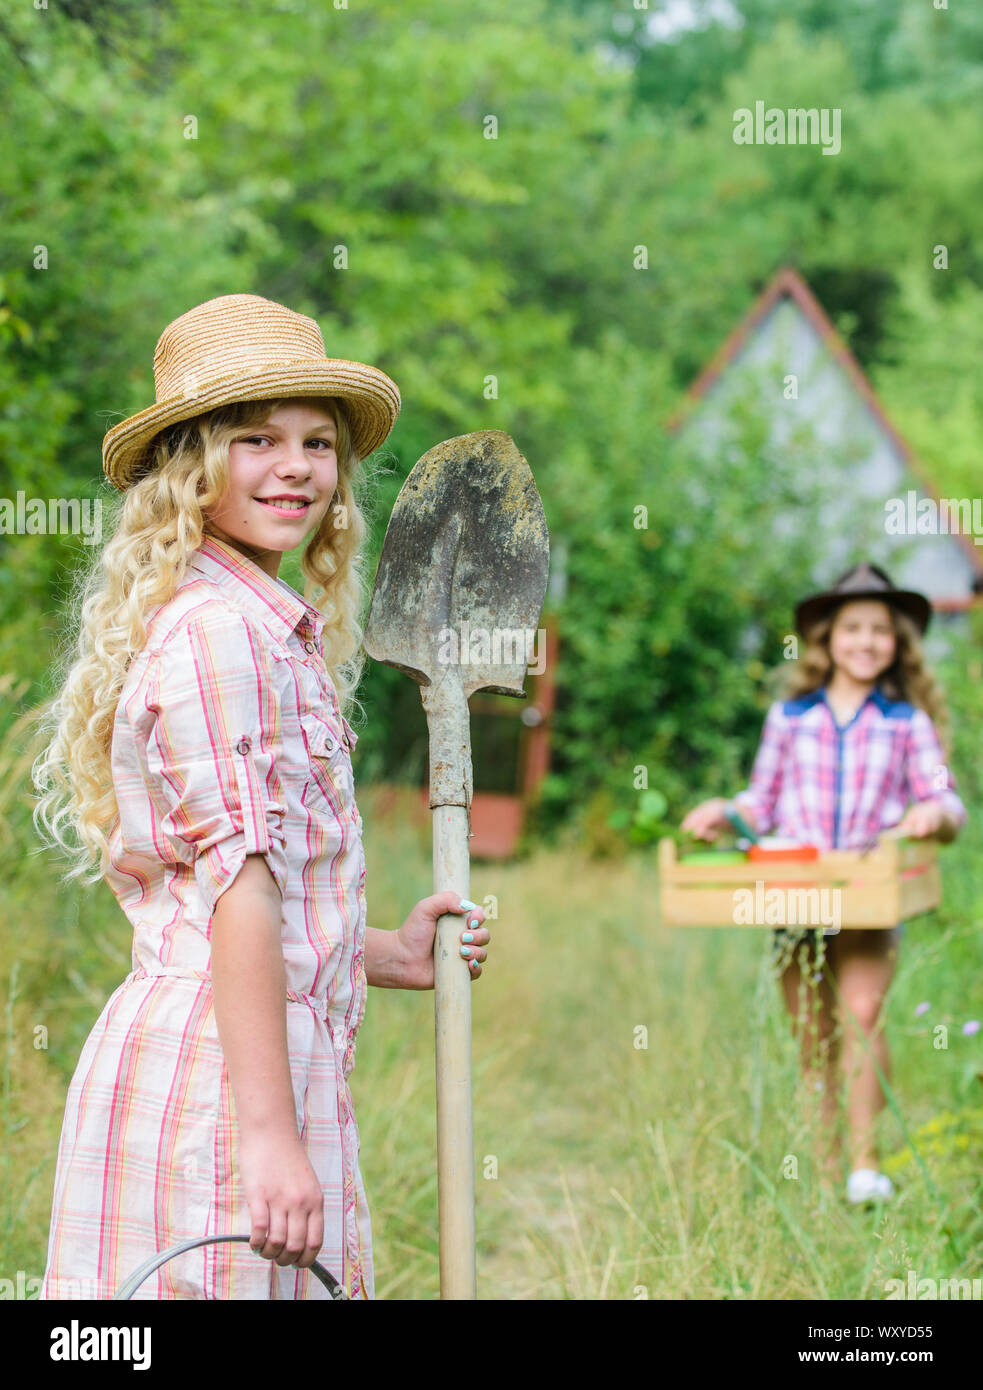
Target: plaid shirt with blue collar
point(838, 786)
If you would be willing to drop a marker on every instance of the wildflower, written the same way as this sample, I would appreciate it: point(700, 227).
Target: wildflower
point(922, 1009)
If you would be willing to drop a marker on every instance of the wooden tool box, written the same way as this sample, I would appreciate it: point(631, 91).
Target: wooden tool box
point(892, 882)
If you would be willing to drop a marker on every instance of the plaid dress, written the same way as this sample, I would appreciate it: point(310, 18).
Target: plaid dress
point(838, 786)
point(228, 741)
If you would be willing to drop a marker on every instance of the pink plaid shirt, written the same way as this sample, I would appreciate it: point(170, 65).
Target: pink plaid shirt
point(839, 787)
point(228, 741)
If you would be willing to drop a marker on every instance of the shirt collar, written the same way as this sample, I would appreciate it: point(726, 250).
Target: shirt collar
point(272, 601)
point(875, 696)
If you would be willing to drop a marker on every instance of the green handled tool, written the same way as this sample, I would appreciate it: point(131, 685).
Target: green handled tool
point(740, 824)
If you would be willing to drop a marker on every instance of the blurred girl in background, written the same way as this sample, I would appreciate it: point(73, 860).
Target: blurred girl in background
point(853, 751)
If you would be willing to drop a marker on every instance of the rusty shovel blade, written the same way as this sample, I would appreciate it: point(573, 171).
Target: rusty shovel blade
point(466, 550)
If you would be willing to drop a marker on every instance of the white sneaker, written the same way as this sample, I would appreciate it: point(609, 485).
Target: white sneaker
point(867, 1185)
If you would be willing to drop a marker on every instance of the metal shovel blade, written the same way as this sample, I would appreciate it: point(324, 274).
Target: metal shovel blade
point(456, 604)
point(466, 549)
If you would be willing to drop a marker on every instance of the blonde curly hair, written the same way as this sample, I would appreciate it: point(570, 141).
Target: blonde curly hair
point(907, 678)
point(155, 528)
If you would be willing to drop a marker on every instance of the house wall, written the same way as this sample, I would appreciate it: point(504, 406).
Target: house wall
point(864, 467)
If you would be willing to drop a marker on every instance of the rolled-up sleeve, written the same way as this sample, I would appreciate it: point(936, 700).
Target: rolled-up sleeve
point(761, 796)
point(211, 750)
point(927, 775)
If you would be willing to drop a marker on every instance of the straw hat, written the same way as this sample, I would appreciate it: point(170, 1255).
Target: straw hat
point(241, 347)
point(863, 581)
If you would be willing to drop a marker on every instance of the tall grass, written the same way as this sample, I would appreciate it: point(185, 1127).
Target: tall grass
point(658, 1171)
point(636, 1090)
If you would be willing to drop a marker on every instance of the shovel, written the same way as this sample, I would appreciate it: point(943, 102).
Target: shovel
point(456, 605)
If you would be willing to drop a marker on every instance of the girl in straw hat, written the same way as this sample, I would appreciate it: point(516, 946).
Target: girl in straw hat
point(200, 753)
point(851, 752)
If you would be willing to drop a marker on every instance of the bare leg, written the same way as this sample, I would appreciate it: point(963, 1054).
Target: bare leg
point(812, 1008)
point(864, 963)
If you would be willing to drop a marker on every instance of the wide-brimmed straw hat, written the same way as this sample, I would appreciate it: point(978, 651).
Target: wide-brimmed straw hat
point(862, 581)
point(241, 347)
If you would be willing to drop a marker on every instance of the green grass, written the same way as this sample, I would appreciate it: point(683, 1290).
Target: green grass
point(604, 1169)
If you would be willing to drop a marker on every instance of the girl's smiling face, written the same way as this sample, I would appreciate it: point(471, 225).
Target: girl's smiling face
point(861, 641)
point(282, 477)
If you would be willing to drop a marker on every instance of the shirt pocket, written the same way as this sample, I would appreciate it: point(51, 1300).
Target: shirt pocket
point(329, 739)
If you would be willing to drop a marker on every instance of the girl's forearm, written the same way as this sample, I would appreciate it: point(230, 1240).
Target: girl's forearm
point(250, 999)
point(385, 961)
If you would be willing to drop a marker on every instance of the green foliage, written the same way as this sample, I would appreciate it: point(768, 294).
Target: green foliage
point(321, 135)
point(153, 173)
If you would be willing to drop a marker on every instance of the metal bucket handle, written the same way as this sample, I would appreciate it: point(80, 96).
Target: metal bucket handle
point(127, 1289)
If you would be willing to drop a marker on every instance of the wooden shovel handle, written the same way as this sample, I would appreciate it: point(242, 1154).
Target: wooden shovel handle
point(452, 1013)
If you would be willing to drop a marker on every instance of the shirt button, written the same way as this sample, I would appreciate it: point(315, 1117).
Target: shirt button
point(309, 646)
point(243, 746)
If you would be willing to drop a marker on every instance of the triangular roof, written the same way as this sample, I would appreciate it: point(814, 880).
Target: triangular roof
point(789, 283)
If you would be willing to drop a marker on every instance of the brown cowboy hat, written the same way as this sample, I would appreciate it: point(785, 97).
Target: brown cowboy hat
point(862, 581)
point(241, 347)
